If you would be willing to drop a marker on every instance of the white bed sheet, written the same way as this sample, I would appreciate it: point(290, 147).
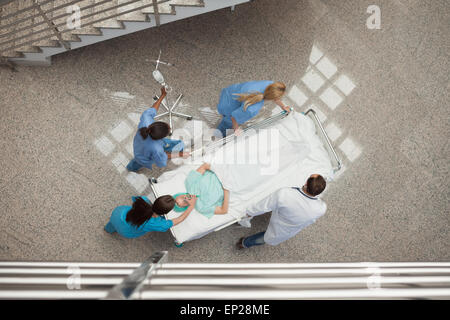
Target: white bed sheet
point(300, 153)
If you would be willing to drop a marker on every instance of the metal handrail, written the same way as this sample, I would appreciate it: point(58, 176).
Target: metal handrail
point(134, 282)
point(327, 139)
point(156, 279)
point(46, 37)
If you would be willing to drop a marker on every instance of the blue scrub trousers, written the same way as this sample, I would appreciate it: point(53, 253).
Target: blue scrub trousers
point(110, 228)
point(225, 124)
point(169, 146)
point(254, 240)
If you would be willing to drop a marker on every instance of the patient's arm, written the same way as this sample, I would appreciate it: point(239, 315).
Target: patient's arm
point(226, 199)
point(202, 169)
point(185, 213)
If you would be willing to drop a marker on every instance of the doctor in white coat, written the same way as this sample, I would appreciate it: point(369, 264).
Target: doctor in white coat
point(292, 210)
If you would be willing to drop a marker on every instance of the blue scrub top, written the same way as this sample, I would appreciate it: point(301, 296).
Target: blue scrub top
point(229, 106)
point(118, 220)
point(148, 151)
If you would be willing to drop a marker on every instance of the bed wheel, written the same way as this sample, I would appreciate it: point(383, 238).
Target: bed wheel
point(178, 245)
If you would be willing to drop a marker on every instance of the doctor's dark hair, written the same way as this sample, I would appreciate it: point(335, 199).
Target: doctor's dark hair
point(315, 185)
point(157, 130)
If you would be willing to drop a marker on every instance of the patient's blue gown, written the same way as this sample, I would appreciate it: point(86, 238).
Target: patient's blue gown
point(229, 106)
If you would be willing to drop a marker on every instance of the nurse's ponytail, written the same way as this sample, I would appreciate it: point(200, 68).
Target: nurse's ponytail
point(140, 212)
point(273, 92)
point(157, 130)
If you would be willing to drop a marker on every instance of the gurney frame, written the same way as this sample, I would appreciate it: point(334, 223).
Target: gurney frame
point(262, 124)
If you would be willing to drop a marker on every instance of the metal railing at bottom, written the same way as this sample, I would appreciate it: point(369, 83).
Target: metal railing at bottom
point(157, 279)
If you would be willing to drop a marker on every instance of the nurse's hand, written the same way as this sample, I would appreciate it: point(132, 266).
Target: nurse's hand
point(163, 91)
point(186, 154)
point(238, 131)
point(192, 200)
point(287, 109)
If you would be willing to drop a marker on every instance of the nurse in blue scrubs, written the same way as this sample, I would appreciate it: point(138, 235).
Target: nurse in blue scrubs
point(150, 144)
point(242, 101)
point(143, 216)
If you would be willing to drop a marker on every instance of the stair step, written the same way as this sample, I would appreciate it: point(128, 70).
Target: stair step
point(163, 8)
point(29, 49)
point(133, 16)
point(12, 54)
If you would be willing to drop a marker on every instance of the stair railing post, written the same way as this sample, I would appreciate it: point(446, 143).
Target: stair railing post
point(134, 282)
point(156, 12)
point(51, 25)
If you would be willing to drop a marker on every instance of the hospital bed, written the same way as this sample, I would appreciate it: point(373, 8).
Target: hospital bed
point(305, 149)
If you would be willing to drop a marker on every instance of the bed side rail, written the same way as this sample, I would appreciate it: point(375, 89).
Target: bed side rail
point(338, 165)
point(259, 125)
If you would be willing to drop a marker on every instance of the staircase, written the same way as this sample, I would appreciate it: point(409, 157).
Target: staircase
point(32, 31)
point(157, 279)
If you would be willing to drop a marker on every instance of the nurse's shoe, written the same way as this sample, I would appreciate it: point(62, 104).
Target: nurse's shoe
point(240, 244)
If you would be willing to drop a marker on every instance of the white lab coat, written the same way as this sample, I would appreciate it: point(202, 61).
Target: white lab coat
point(292, 211)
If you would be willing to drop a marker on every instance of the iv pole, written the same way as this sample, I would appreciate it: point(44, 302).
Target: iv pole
point(157, 75)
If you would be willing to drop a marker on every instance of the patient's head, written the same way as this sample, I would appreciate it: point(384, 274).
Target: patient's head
point(315, 185)
point(163, 205)
point(181, 200)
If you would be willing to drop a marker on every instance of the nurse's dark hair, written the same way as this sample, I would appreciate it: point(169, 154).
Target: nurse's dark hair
point(157, 130)
point(315, 185)
point(141, 210)
point(163, 205)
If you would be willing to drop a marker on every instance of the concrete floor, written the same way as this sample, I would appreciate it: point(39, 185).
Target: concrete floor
point(59, 181)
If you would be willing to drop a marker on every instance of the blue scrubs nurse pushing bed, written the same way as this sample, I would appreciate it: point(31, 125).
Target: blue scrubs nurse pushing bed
point(242, 101)
point(150, 143)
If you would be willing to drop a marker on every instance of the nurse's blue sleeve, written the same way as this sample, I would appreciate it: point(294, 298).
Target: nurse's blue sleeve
point(158, 224)
point(147, 117)
point(242, 116)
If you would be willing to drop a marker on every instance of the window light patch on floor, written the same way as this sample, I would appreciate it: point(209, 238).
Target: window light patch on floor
point(350, 149)
point(344, 84)
point(331, 98)
point(297, 96)
point(326, 67)
point(134, 117)
point(313, 80)
point(120, 161)
point(121, 131)
point(316, 54)
point(104, 145)
point(333, 131)
point(138, 181)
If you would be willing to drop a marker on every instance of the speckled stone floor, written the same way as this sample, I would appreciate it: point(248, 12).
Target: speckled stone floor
point(383, 96)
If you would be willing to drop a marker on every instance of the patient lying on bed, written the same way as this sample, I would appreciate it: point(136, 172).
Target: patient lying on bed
point(212, 198)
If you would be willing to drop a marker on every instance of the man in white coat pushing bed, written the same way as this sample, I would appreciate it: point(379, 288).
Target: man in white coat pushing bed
point(292, 210)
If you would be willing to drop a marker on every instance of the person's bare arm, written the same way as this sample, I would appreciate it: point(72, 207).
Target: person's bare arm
point(181, 154)
point(161, 98)
point(226, 199)
point(282, 105)
point(236, 128)
point(187, 212)
point(202, 169)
